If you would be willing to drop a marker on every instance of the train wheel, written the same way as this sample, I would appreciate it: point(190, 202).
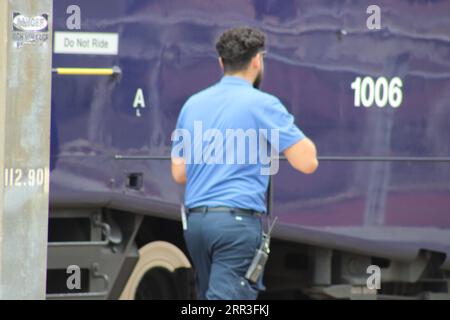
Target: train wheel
point(157, 274)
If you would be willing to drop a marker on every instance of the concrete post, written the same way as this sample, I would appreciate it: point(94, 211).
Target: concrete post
point(25, 85)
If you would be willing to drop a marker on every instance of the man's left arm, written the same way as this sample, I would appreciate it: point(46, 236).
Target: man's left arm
point(178, 163)
point(179, 170)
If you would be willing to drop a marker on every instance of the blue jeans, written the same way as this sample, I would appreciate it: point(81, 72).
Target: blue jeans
point(222, 246)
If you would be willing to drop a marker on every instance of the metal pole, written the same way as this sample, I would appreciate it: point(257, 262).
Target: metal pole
point(3, 79)
point(25, 85)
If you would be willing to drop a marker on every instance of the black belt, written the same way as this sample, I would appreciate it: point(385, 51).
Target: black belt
point(206, 209)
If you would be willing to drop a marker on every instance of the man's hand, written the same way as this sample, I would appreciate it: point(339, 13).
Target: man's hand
point(303, 156)
point(179, 170)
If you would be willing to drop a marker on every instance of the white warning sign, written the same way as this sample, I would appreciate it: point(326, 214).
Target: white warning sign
point(29, 30)
point(86, 43)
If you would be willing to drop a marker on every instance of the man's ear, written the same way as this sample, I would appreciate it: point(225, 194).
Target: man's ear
point(221, 64)
point(256, 62)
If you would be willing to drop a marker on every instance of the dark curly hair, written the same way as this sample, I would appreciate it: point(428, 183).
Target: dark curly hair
point(238, 46)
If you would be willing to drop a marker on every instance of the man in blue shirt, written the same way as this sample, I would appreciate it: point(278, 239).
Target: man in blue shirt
point(224, 147)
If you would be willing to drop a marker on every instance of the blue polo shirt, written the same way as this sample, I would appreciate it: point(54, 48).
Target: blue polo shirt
point(226, 134)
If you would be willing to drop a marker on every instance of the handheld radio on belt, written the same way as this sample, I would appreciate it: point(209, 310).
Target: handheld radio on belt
point(260, 259)
point(258, 264)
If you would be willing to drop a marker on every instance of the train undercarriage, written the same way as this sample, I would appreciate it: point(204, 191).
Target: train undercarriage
point(121, 255)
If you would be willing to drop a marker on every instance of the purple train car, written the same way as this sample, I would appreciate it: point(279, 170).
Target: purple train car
point(373, 222)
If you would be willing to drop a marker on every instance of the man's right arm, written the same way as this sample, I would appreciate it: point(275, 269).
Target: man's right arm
point(303, 156)
point(299, 150)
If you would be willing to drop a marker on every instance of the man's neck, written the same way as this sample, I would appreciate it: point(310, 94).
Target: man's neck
point(241, 75)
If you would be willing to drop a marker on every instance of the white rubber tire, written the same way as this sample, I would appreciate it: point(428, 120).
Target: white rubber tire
point(154, 254)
